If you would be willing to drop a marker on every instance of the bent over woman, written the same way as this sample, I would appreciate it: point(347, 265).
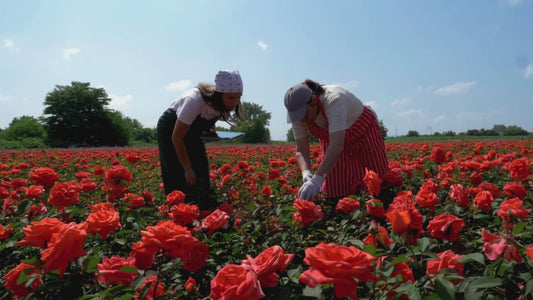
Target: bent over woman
point(183, 157)
point(349, 134)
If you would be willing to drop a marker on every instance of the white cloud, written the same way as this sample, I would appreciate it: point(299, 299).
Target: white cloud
point(401, 102)
point(350, 85)
point(8, 43)
point(5, 98)
point(67, 53)
point(178, 86)
point(528, 71)
point(262, 45)
point(456, 88)
point(119, 101)
point(439, 119)
point(421, 89)
point(410, 113)
point(513, 2)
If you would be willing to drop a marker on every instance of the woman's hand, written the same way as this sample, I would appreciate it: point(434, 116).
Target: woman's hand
point(190, 176)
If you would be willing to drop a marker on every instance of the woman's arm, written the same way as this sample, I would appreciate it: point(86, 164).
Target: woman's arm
point(336, 146)
point(303, 154)
point(180, 130)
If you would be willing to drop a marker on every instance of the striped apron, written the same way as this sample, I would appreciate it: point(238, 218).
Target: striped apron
point(363, 148)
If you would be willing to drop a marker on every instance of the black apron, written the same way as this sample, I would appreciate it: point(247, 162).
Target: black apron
point(171, 168)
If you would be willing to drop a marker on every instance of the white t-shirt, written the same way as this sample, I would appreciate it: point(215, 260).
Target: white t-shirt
point(341, 107)
point(191, 104)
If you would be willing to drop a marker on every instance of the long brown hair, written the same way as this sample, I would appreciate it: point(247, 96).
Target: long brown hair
point(214, 98)
point(316, 87)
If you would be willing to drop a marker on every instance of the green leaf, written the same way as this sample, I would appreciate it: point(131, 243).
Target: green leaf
point(315, 292)
point(477, 257)
point(444, 288)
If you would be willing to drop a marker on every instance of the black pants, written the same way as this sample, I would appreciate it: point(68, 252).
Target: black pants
point(171, 169)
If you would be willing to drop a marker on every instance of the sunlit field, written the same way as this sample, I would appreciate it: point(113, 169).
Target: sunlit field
point(451, 220)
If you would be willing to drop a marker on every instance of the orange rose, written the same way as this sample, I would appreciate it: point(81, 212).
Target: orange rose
point(347, 205)
point(64, 246)
point(40, 232)
point(267, 263)
point(175, 197)
point(109, 270)
point(445, 226)
point(215, 221)
point(64, 194)
point(338, 265)
point(102, 220)
point(236, 282)
point(372, 182)
point(447, 260)
point(19, 289)
point(184, 214)
point(308, 212)
point(44, 176)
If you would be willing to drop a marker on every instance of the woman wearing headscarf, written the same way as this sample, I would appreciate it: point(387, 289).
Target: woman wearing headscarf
point(183, 157)
point(349, 134)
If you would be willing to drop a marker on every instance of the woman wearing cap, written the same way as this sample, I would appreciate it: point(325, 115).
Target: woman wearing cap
point(182, 153)
point(349, 134)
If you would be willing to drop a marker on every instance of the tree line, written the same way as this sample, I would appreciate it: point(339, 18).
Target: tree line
point(77, 115)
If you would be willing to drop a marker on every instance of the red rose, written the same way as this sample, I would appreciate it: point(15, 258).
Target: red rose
point(380, 238)
point(483, 200)
point(447, 260)
point(215, 221)
point(64, 194)
point(510, 210)
point(445, 226)
point(5, 232)
point(40, 232)
point(195, 256)
point(44, 176)
point(460, 195)
point(184, 214)
point(427, 199)
point(267, 263)
point(118, 177)
point(175, 197)
point(155, 290)
point(19, 289)
point(87, 185)
point(338, 265)
point(372, 182)
point(236, 282)
point(519, 168)
point(375, 208)
point(64, 246)
point(347, 205)
point(34, 192)
point(191, 286)
point(109, 270)
point(144, 255)
point(438, 155)
point(514, 189)
point(496, 246)
point(134, 200)
point(308, 212)
point(163, 235)
point(102, 220)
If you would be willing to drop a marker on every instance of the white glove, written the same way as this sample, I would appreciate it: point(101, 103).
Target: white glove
point(311, 188)
point(307, 175)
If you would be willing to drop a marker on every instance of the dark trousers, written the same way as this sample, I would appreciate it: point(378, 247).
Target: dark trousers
point(171, 169)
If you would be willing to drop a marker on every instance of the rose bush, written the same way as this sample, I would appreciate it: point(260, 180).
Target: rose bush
point(450, 220)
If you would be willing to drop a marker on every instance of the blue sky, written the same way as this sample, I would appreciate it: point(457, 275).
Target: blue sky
point(429, 66)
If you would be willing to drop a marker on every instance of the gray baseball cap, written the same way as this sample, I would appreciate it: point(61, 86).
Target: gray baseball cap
point(296, 100)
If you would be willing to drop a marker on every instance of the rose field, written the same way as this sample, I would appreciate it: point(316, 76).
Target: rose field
point(451, 220)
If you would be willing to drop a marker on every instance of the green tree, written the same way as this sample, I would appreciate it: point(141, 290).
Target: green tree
point(383, 129)
point(141, 133)
point(515, 130)
point(255, 126)
point(77, 114)
point(413, 133)
point(500, 129)
point(24, 127)
point(22, 133)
